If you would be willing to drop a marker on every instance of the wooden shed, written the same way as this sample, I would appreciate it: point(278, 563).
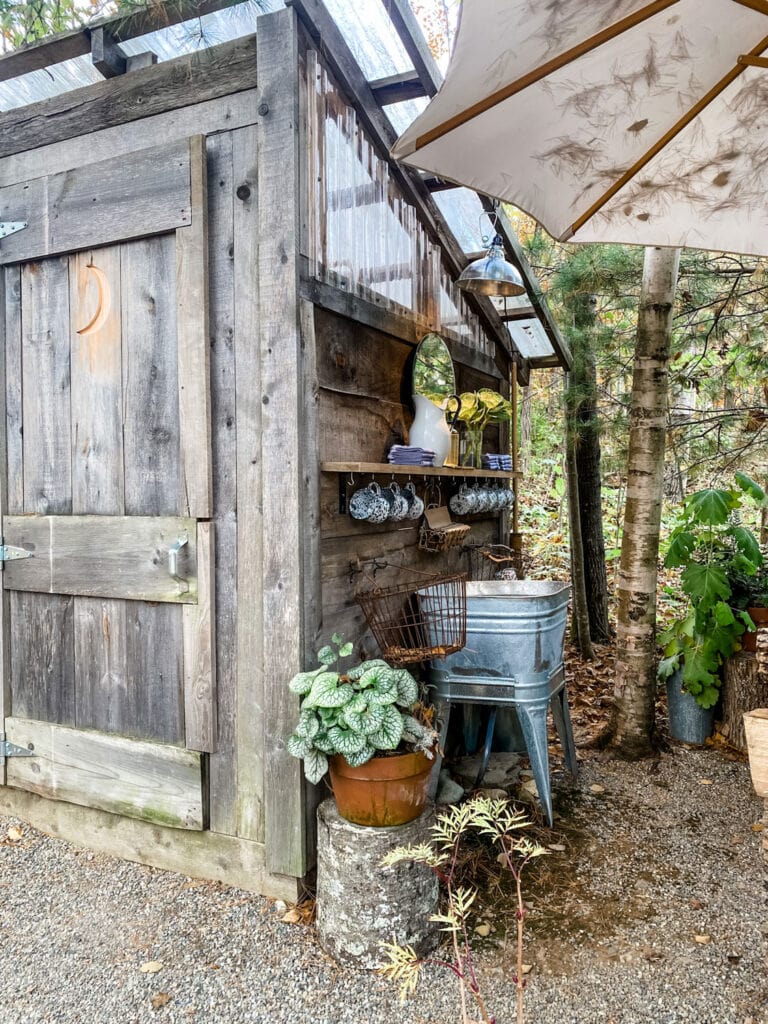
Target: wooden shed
point(211, 279)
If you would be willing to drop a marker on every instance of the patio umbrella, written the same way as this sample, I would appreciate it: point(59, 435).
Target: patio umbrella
point(610, 120)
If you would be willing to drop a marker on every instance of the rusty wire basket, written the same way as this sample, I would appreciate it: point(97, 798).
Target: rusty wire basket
point(421, 617)
point(491, 562)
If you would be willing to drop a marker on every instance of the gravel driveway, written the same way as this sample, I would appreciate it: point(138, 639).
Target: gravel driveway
point(654, 912)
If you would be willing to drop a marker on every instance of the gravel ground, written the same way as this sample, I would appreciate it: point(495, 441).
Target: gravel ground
point(660, 853)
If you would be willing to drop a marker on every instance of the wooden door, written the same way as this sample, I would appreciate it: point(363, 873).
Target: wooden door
point(108, 660)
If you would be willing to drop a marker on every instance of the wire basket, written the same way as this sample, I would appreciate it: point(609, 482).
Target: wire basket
point(491, 562)
point(423, 616)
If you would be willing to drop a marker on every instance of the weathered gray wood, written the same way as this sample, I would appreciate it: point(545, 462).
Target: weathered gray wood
point(101, 686)
point(42, 657)
point(193, 343)
point(7, 323)
point(218, 115)
point(150, 377)
point(154, 670)
point(121, 198)
point(355, 360)
point(106, 55)
point(45, 386)
point(251, 707)
point(283, 432)
point(103, 556)
point(206, 75)
point(133, 778)
point(397, 88)
point(236, 862)
point(416, 46)
point(12, 386)
point(198, 621)
point(356, 428)
point(222, 765)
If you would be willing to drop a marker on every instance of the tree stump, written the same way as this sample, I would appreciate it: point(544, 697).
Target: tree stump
point(744, 688)
point(359, 903)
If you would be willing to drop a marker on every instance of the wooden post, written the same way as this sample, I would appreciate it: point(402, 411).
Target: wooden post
point(10, 321)
point(516, 537)
point(287, 453)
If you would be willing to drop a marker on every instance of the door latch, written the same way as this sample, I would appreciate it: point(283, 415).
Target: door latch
point(173, 560)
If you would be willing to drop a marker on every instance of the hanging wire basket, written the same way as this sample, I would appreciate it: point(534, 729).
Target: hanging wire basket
point(491, 562)
point(421, 617)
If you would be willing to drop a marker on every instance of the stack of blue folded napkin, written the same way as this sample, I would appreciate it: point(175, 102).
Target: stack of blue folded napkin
point(409, 455)
point(503, 462)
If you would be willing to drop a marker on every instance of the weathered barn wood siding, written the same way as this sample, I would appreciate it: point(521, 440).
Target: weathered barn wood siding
point(360, 371)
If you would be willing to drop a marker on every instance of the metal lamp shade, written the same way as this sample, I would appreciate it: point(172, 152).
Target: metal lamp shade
point(491, 274)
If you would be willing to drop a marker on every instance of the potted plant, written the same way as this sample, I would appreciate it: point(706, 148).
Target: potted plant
point(711, 547)
point(750, 593)
point(367, 727)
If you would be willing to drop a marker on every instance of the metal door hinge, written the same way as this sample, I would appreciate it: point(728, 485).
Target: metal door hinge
point(10, 227)
point(8, 749)
point(8, 553)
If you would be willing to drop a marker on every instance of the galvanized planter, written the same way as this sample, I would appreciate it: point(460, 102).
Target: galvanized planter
point(688, 720)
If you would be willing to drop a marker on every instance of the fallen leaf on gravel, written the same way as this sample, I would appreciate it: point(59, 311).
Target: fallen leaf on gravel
point(527, 968)
point(14, 834)
point(706, 782)
point(292, 916)
point(151, 967)
point(695, 904)
point(702, 939)
point(483, 929)
point(596, 789)
point(758, 827)
point(160, 999)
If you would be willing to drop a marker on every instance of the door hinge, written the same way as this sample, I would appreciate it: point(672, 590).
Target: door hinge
point(10, 227)
point(8, 553)
point(8, 749)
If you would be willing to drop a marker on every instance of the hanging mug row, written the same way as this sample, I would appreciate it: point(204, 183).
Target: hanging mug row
point(481, 498)
point(391, 504)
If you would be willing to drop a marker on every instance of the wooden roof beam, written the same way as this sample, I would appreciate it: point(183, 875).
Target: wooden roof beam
point(407, 27)
point(397, 88)
point(107, 57)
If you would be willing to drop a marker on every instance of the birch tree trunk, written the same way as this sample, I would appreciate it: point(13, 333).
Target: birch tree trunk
point(635, 685)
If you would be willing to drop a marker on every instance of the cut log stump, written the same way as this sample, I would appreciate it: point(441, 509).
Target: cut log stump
point(361, 904)
point(744, 688)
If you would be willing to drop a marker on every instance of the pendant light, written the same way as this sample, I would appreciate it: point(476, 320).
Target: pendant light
point(492, 274)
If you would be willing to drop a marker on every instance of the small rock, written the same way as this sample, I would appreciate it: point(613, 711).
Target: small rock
point(702, 940)
point(483, 929)
point(280, 907)
point(597, 789)
point(151, 967)
point(448, 791)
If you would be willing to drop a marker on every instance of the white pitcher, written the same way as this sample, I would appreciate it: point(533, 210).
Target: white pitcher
point(429, 429)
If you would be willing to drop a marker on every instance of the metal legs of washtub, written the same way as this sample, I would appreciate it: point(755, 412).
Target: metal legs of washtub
point(530, 698)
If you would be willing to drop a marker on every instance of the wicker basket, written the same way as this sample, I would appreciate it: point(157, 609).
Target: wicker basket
point(424, 616)
point(438, 532)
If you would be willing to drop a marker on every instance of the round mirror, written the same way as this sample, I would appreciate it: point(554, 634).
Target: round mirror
point(433, 375)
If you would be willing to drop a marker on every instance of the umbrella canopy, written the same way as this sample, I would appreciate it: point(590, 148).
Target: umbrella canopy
point(610, 120)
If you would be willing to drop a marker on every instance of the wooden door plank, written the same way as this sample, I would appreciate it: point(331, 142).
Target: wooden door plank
point(222, 765)
point(214, 116)
point(282, 437)
point(249, 787)
point(145, 193)
point(103, 556)
point(8, 324)
point(102, 690)
point(192, 316)
point(154, 669)
point(13, 329)
point(45, 386)
point(200, 727)
point(132, 778)
point(150, 376)
point(42, 657)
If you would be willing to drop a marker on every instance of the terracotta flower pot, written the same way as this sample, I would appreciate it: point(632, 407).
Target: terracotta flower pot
point(756, 729)
point(382, 792)
point(760, 618)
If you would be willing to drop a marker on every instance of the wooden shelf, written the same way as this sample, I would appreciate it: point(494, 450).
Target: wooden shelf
point(386, 469)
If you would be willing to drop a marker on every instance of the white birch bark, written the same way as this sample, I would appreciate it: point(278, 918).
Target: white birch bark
point(635, 685)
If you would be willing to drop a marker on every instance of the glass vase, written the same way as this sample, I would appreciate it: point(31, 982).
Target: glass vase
point(473, 455)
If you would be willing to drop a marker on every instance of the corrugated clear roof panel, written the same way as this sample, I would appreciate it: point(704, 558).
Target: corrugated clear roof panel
point(48, 82)
point(530, 339)
point(371, 36)
point(402, 114)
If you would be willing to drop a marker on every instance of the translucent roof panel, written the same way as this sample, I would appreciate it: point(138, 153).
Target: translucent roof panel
point(531, 339)
point(167, 43)
point(402, 114)
point(371, 36)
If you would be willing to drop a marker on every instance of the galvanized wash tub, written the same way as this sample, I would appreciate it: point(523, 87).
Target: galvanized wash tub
point(514, 657)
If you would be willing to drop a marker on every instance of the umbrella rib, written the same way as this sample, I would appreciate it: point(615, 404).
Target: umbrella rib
point(743, 63)
point(604, 36)
point(761, 6)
